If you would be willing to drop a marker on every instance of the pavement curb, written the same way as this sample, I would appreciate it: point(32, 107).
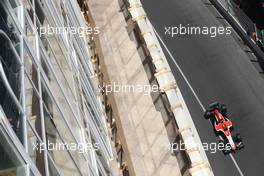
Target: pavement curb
point(167, 83)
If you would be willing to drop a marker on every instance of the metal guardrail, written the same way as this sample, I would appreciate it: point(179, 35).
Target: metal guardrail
point(243, 25)
point(199, 163)
point(249, 26)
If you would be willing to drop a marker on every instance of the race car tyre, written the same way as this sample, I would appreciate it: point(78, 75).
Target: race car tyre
point(214, 105)
point(216, 133)
point(223, 110)
point(240, 145)
point(225, 151)
point(207, 114)
point(237, 138)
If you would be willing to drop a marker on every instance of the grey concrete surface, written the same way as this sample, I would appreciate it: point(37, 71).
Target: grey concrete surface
point(218, 70)
point(144, 137)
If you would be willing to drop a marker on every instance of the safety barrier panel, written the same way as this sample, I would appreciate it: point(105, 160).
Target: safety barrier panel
point(244, 27)
point(199, 163)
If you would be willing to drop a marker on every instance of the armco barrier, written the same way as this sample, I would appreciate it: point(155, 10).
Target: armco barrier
point(199, 163)
point(227, 12)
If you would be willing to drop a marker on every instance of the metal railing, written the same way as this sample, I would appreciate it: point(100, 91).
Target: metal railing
point(38, 56)
point(243, 25)
point(248, 25)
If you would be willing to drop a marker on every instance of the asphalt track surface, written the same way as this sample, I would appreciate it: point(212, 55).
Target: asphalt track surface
point(217, 70)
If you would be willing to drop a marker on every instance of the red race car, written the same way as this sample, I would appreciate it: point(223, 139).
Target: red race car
point(223, 127)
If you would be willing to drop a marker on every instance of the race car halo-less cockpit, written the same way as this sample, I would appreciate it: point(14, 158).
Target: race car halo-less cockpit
point(223, 128)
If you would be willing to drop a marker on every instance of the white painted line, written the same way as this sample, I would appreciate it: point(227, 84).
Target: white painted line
point(192, 90)
point(237, 166)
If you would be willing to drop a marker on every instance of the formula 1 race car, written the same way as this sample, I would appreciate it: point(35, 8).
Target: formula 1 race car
point(223, 128)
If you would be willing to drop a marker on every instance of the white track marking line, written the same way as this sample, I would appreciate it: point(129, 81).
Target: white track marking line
point(237, 166)
point(192, 90)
